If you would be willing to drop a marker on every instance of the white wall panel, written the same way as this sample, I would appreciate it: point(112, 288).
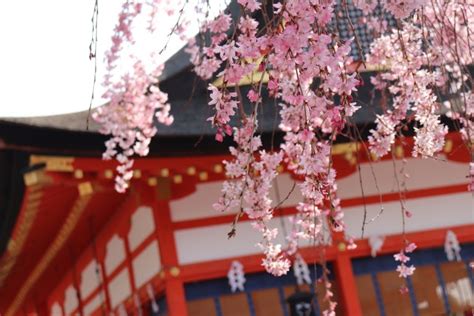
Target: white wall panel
point(70, 300)
point(147, 264)
point(89, 279)
point(424, 173)
point(428, 213)
point(142, 225)
point(211, 242)
point(199, 203)
point(421, 171)
point(56, 309)
point(119, 288)
point(94, 304)
point(114, 254)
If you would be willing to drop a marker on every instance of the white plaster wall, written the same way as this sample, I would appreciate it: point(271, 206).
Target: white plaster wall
point(56, 309)
point(89, 279)
point(70, 300)
point(146, 264)
point(211, 242)
point(428, 213)
point(94, 304)
point(199, 203)
point(424, 173)
point(114, 253)
point(119, 288)
point(142, 225)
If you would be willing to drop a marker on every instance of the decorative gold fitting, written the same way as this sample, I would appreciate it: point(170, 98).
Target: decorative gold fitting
point(174, 271)
point(191, 171)
point(108, 174)
point(350, 157)
point(137, 174)
point(399, 152)
point(448, 146)
point(203, 176)
point(56, 163)
point(85, 188)
point(165, 172)
point(341, 246)
point(345, 148)
point(31, 178)
point(78, 174)
point(218, 168)
point(152, 181)
point(178, 179)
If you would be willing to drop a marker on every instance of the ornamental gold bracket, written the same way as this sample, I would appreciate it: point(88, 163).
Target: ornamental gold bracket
point(54, 163)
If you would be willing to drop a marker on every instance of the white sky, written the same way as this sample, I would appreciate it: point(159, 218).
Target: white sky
point(44, 64)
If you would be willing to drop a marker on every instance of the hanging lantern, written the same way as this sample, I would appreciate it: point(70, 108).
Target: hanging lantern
point(301, 271)
point(452, 247)
point(236, 276)
point(301, 304)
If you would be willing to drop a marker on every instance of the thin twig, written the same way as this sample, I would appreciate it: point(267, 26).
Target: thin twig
point(93, 55)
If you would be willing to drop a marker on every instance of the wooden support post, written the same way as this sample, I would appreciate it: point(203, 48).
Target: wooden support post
point(347, 285)
point(175, 297)
point(174, 285)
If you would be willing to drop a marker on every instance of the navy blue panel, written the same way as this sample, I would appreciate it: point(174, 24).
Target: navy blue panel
point(378, 294)
point(217, 304)
point(162, 308)
point(255, 281)
point(412, 295)
point(250, 302)
point(439, 275)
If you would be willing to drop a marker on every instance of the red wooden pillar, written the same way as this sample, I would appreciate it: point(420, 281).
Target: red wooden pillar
point(174, 286)
point(347, 284)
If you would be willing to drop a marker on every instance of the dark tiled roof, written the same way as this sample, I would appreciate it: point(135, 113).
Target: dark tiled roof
point(340, 24)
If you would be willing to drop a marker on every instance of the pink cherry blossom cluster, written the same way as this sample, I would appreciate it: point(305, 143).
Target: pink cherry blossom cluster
point(294, 56)
point(329, 297)
point(412, 89)
point(248, 188)
point(225, 105)
point(135, 100)
point(403, 269)
point(129, 119)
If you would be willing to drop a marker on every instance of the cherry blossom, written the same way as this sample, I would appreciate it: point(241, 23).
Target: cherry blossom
point(405, 271)
point(297, 58)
